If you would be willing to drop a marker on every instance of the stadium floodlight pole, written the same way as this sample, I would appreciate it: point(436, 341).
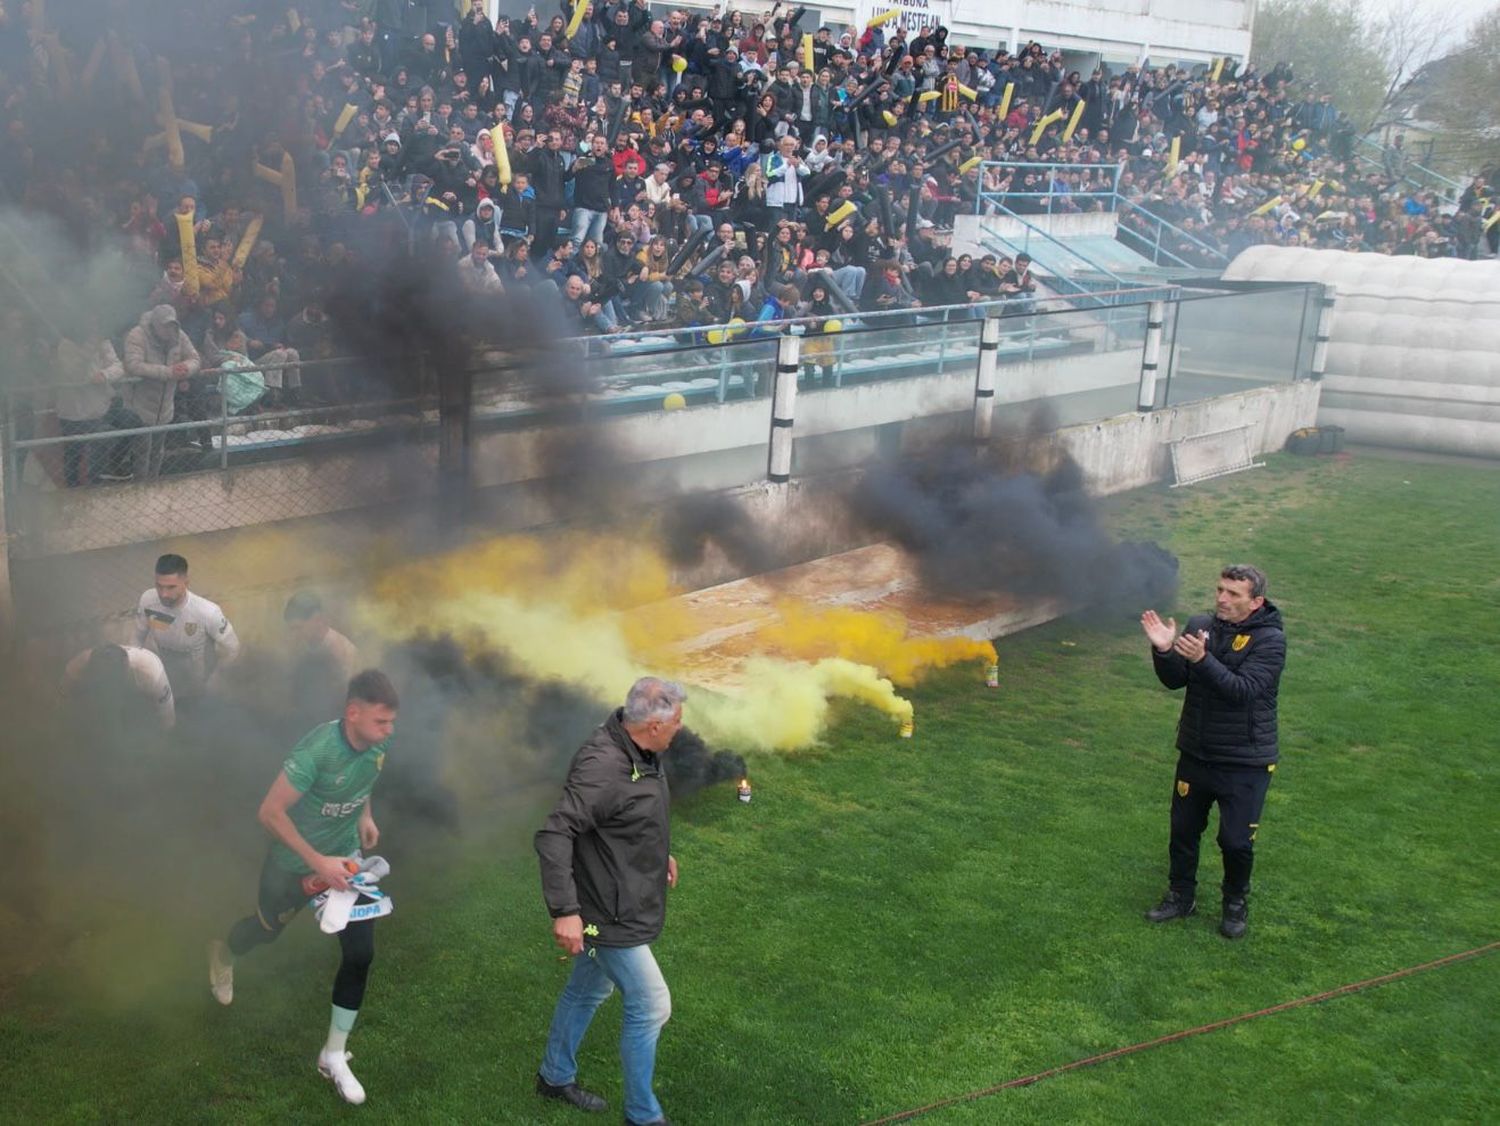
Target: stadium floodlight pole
point(984, 383)
point(784, 408)
point(1156, 315)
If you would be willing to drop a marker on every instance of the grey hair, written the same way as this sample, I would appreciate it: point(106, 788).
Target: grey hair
point(1244, 572)
point(653, 698)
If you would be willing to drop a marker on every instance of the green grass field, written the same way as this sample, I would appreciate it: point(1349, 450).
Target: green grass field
point(889, 924)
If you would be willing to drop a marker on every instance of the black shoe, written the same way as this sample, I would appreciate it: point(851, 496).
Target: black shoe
point(1173, 905)
point(653, 1122)
point(570, 1093)
point(1235, 919)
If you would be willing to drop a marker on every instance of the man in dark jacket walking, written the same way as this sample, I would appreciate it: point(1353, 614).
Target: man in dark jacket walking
point(606, 868)
point(1230, 663)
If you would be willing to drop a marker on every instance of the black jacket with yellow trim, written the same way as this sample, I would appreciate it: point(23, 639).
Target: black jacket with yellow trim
point(1229, 715)
point(604, 847)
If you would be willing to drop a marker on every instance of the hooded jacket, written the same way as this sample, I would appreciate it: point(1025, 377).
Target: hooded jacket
point(151, 348)
point(604, 847)
point(1229, 715)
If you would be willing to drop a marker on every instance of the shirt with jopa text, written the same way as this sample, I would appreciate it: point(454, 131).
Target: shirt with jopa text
point(335, 781)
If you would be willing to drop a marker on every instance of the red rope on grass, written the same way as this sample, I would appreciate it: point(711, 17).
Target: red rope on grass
point(1116, 1053)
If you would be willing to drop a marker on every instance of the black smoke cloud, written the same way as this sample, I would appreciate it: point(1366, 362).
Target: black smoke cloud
point(691, 764)
point(977, 523)
point(693, 523)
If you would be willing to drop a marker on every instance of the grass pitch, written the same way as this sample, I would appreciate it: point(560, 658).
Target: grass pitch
point(891, 923)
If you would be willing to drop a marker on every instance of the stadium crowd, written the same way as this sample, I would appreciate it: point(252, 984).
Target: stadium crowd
point(633, 170)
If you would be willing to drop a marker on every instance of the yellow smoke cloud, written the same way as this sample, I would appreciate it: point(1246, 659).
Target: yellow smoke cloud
point(557, 607)
point(870, 637)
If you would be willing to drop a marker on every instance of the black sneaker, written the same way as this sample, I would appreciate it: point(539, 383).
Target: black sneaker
point(570, 1093)
point(1173, 905)
point(1236, 918)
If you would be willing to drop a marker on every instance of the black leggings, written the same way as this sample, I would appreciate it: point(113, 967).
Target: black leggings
point(281, 897)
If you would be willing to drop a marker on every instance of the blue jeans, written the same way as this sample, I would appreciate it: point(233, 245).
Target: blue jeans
point(851, 279)
point(589, 224)
point(648, 1006)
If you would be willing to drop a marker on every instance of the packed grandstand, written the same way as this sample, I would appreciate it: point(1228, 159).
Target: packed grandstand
point(622, 169)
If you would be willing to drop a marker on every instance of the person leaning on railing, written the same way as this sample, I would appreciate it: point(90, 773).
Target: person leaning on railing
point(158, 355)
point(88, 372)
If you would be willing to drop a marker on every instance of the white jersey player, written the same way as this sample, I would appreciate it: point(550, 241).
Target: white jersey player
point(103, 666)
point(192, 636)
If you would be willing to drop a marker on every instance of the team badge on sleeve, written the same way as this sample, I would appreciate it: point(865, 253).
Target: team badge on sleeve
point(1240, 641)
point(1182, 788)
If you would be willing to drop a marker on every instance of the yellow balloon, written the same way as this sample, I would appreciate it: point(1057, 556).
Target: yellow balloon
point(673, 402)
point(679, 64)
point(717, 336)
point(833, 326)
point(737, 327)
point(1299, 144)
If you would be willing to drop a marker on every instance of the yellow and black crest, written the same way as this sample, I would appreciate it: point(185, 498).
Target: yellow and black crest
point(1182, 788)
point(1240, 641)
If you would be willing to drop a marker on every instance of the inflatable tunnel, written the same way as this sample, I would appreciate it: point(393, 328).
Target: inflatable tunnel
point(1414, 345)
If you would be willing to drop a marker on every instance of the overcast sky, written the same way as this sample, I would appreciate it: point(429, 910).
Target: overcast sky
point(1463, 12)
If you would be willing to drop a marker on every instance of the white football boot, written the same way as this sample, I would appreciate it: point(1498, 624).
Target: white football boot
point(335, 1066)
point(220, 972)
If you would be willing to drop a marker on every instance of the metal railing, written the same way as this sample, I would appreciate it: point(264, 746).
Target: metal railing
point(706, 364)
point(1372, 155)
point(1051, 170)
point(1216, 257)
point(1111, 202)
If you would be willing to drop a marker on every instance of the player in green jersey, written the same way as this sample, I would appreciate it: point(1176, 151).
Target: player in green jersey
point(318, 814)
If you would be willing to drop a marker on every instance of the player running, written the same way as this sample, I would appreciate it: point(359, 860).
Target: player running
point(318, 812)
point(192, 636)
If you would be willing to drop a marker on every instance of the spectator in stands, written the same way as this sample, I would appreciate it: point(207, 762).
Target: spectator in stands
point(158, 355)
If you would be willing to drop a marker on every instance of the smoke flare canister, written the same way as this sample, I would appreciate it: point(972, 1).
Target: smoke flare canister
point(313, 884)
point(992, 675)
point(908, 726)
point(743, 789)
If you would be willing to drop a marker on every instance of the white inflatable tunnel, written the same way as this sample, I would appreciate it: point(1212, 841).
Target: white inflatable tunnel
point(1414, 345)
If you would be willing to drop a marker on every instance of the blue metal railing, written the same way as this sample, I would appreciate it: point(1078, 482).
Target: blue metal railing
point(993, 202)
point(1216, 256)
point(1372, 154)
point(1051, 195)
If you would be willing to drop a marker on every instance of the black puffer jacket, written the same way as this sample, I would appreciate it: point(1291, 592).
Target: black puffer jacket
point(1229, 716)
point(604, 847)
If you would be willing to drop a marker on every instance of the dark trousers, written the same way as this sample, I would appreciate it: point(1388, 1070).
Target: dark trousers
point(78, 454)
point(545, 237)
point(1240, 793)
point(279, 899)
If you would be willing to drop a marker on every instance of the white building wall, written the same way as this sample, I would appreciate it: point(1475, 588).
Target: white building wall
point(1175, 30)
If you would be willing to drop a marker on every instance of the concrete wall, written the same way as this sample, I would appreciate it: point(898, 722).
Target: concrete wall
point(1119, 29)
point(1130, 451)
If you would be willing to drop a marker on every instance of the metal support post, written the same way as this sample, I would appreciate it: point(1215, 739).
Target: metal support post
point(784, 408)
point(984, 383)
point(1325, 326)
point(1156, 314)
